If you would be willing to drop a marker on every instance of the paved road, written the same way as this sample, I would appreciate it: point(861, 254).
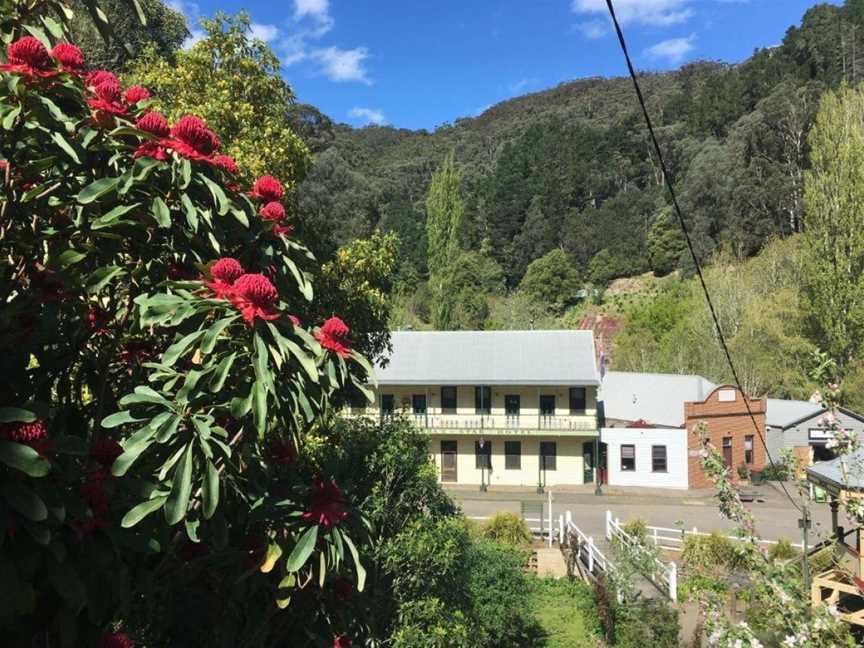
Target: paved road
point(775, 515)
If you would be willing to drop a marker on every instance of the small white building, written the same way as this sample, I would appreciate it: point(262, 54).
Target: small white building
point(642, 455)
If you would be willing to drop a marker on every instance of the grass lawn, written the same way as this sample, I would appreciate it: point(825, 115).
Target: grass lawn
point(563, 610)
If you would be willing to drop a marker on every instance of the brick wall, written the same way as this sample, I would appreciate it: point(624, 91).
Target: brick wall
point(725, 413)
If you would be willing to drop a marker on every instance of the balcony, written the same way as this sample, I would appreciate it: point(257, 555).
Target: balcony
point(499, 424)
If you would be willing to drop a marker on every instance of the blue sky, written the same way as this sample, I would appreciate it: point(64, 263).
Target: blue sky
point(419, 64)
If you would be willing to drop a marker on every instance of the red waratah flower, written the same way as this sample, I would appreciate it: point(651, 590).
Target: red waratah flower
point(105, 451)
point(342, 641)
point(224, 272)
point(283, 230)
point(254, 296)
point(272, 211)
point(116, 640)
point(333, 335)
point(136, 93)
point(27, 56)
point(191, 138)
point(25, 433)
point(325, 504)
point(108, 98)
point(69, 56)
point(226, 163)
point(153, 123)
point(98, 77)
point(268, 189)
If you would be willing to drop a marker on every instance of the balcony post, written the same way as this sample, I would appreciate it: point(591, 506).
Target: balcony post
point(426, 412)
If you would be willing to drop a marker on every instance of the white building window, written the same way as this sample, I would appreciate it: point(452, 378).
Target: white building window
point(658, 459)
point(628, 458)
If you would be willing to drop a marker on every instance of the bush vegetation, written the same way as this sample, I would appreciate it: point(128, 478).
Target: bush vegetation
point(508, 528)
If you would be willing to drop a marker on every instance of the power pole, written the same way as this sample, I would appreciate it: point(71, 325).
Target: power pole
point(804, 524)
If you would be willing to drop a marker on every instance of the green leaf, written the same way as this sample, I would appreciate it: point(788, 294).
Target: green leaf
point(181, 489)
point(109, 219)
point(144, 394)
point(138, 513)
point(221, 373)
point(211, 490)
point(11, 116)
point(213, 332)
point(240, 215)
point(60, 141)
point(361, 571)
point(177, 349)
point(274, 552)
point(53, 26)
point(138, 443)
point(25, 501)
point(240, 406)
point(302, 550)
point(306, 361)
point(16, 414)
point(191, 212)
point(119, 418)
point(102, 277)
point(70, 257)
point(161, 212)
point(24, 458)
point(97, 189)
point(219, 197)
point(259, 408)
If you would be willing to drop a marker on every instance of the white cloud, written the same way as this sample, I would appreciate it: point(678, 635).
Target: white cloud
point(341, 64)
point(191, 12)
point(263, 32)
point(593, 29)
point(672, 50)
point(644, 12)
point(310, 22)
point(368, 116)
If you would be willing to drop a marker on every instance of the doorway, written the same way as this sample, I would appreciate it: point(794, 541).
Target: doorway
point(588, 462)
point(449, 455)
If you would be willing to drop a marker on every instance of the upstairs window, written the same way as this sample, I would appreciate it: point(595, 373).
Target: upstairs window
point(448, 400)
point(418, 403)
point(512, 404)
point(577, 400)
point(628, 458)
point(547, 405)
point(483, 400)
point(387, 404)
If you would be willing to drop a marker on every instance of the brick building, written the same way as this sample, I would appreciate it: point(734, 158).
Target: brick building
point(730, 429)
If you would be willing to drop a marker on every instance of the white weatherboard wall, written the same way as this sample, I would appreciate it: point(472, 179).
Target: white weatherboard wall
point(675, 440)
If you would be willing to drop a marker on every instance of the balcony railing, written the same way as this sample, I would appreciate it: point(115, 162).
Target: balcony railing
point(496, 422)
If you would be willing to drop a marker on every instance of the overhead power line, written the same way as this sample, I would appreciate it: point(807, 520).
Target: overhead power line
point(668, 181)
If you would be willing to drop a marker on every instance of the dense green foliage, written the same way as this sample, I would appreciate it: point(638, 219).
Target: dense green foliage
point(508, 528)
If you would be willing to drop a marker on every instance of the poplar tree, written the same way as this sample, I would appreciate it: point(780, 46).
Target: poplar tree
point(834, 223)
point(444, 223)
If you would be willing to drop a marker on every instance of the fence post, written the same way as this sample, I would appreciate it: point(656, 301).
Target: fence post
point(550, 519)
point(673, 582)
point(608, 525)
point(569, 517)
point(656, 541)
point(591, 555)
point(560, 530)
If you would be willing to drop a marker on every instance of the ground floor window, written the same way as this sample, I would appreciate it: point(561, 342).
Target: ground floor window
point(628, 458)
point(483, 455)
point(512, 455)
point(548, 455)
point(658, 458)
point(727, 451)
point(748, 449)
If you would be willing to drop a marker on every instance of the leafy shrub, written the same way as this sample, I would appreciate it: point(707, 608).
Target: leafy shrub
point(508, 528)
point(429, 623)
point(823, 560)
point(636, 529)
point(500, 595)
point(782, 550)
point(651, 622)
point(709, 552)
point(743, 472)
point(777, 471)
point(157, 381)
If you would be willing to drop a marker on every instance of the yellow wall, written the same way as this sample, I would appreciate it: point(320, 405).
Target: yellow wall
point(529, 402)
point(569, 470)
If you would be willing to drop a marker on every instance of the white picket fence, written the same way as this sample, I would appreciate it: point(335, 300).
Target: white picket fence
point(673, 539)
point(663, 575)
point(585, 550)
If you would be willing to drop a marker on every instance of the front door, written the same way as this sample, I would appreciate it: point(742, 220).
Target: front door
point(448, 461)
point(588, 462)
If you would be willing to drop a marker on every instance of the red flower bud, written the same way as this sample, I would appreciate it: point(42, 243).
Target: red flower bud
point(272, 211)
point(136, 93)
point(69, 56)
point(268, 188)
point(226, 163)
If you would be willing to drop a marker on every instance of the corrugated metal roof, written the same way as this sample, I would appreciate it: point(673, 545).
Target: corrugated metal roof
point(491, 358)
point(656, 398)
point(832, 472)
point(782, 413)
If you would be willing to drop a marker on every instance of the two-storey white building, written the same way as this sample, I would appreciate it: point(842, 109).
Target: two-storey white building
point(512, 408)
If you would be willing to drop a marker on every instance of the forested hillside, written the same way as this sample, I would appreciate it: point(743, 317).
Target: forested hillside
point(569, 169)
